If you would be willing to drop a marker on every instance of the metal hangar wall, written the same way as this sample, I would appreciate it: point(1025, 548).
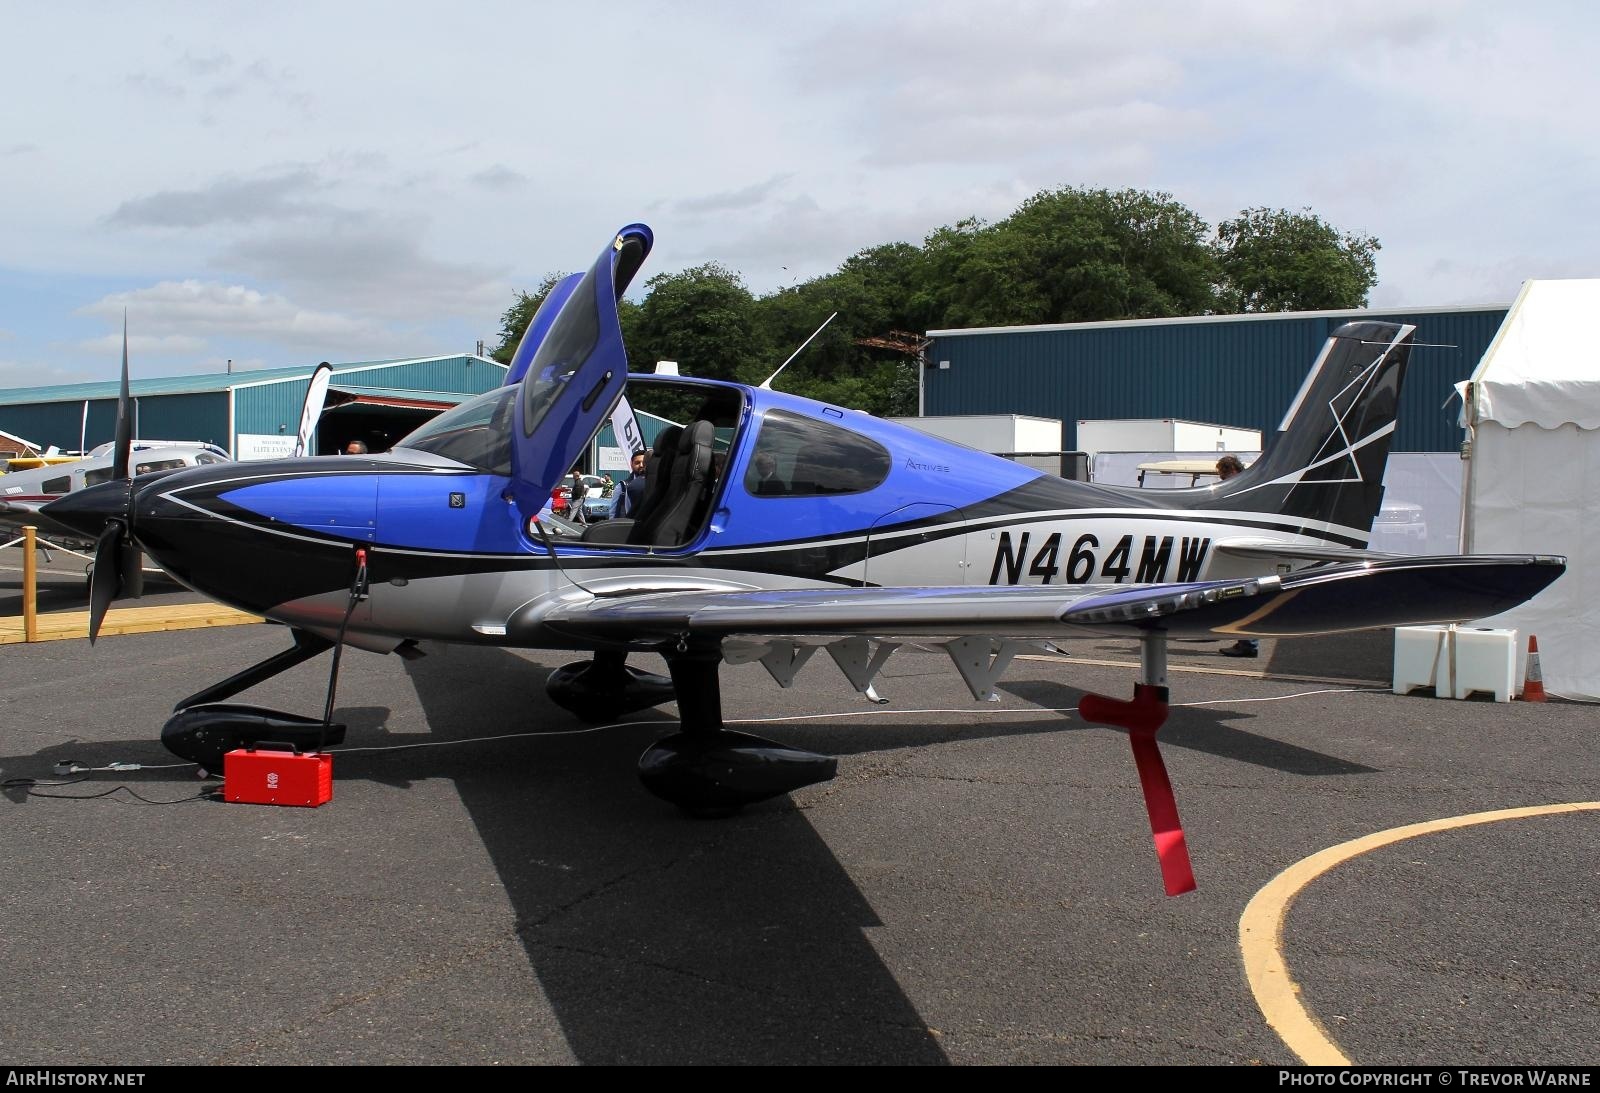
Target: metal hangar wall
point(367, 399)
point(1239, 370)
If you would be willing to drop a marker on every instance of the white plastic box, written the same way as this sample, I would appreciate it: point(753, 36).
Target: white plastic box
point(1456, 661)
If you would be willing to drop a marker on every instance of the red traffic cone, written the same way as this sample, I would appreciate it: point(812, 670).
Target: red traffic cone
point(1533, 688)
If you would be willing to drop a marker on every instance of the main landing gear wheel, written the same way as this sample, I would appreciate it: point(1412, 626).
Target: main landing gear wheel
point(605, 688)
point(709, 771)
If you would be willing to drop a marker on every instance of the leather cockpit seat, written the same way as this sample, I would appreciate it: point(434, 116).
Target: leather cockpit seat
point(670, 520)
point(659, 463)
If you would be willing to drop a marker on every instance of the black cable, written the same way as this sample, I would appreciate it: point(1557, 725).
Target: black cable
point(29, 784)
point(357, 588)
point(22, 783)
point(555, 559)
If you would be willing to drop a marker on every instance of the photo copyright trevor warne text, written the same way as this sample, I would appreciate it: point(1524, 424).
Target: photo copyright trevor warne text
point(1440, 1077)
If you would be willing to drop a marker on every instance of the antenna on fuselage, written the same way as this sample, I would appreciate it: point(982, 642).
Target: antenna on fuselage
point(766, 384)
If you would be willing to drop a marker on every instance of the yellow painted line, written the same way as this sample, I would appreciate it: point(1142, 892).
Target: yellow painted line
point(1261, 927)
point(65, 625)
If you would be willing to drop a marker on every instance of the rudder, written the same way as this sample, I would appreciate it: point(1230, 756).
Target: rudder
point(1329, 458)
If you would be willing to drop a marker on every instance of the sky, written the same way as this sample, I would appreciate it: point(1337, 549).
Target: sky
point(281, 184)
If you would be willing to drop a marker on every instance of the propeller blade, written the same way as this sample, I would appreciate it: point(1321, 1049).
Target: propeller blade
point(106, 580)
point(119, 462)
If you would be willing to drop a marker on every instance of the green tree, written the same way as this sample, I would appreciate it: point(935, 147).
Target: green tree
point(1276, 260)
point(1066, 255)
point(870, 295)
point(943, 296)
point(1079, 255)
point(703, 317)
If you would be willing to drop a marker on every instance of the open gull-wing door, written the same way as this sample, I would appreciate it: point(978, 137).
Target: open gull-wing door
point(575, 375)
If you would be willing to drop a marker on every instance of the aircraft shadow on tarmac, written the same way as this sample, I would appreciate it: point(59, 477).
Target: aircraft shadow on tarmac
point(678, 941)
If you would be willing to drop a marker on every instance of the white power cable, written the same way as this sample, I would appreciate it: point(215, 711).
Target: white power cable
point(985, 711)
point(71, 768)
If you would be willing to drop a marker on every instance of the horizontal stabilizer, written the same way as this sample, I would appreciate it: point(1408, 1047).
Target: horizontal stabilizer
point(1268, 550)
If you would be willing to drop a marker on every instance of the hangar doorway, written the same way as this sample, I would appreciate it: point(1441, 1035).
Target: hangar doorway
point(376, 418)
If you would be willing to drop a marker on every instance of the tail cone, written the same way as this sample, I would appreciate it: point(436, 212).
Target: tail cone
point(1533, 687)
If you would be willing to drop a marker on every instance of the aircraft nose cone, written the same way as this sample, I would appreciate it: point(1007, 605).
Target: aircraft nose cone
point(88, 509)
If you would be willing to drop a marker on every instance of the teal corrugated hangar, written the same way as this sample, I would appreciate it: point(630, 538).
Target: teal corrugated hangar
point(255, 414)
point(1241, 370)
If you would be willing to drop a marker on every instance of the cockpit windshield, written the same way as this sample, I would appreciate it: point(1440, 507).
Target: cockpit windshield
point(477, 433)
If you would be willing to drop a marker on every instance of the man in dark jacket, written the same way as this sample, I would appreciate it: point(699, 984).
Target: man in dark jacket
point(631, 494)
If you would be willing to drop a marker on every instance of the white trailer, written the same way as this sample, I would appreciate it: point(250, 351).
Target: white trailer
point(1032, 441)
point(1164, 435)
point(995, 433)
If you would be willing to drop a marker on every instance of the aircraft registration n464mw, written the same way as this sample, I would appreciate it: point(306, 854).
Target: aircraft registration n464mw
point(770, 526)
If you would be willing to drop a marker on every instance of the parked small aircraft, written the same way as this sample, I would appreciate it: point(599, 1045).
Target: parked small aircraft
point(24, 493)
point(772, 526)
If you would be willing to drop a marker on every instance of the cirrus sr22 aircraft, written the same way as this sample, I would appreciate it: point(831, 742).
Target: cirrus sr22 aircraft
point(773, 526)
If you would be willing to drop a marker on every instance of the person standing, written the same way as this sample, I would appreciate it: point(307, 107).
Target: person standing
point(575, 501)
point(631, 495)
point(1227, 467)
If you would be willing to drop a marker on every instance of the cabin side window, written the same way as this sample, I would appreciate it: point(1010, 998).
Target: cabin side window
point(798, 456)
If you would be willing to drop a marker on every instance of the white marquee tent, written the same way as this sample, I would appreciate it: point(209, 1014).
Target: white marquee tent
point(1533, 481)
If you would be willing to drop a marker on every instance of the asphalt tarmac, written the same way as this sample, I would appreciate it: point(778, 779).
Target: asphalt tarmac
point(977, 885)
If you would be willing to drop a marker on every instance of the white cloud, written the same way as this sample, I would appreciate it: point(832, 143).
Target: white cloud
point(797, 238)
point(383, 178)
point(756, 193)
point(500, 177)
point(196, 310)
point(226, 200)
point(376, 267)
point(155, 86)
point(15, 373)
point(204, 66)
point(110, 345)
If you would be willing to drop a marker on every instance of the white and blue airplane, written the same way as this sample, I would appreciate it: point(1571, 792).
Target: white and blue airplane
point(815, 526)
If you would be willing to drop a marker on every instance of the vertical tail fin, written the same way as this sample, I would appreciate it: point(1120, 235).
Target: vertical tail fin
point(1328, 459)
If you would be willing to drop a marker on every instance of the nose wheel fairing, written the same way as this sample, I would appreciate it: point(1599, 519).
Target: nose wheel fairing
point(204, 734)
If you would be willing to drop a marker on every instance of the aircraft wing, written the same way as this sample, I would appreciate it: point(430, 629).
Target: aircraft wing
point(23, 507)
point(1335, 599)
point(16, 513)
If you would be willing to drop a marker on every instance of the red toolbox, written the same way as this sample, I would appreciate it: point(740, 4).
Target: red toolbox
point(259, 777)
